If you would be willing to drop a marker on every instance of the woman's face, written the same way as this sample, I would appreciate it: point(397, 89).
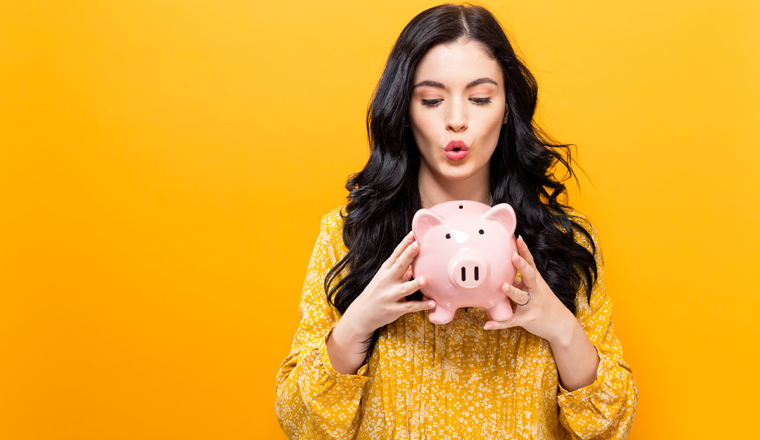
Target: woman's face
point(459, 96)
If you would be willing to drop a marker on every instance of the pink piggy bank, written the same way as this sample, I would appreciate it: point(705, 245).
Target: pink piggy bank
point(465, 253)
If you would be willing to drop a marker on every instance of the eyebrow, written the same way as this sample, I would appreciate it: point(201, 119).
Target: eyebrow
point(470, 84)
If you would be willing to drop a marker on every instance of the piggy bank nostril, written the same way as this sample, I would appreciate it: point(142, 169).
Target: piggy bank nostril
point(463, 273)
point(468, 270)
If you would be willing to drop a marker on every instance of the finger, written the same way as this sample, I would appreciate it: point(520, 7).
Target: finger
point(409, 287)
point(399, 250)
point(404, 260)
point(522, 248)
point(517, 295)
point(527, 271)
point(408, 274)
point(514, 321)
point(517, 282)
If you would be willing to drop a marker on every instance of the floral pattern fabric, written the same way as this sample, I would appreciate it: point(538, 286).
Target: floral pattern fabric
point(450, 381)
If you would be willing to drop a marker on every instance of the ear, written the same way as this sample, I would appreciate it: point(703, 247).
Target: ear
point(425, 220)
point(504, 215)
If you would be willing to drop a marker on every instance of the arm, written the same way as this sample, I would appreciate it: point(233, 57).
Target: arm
point(321, 382)
point(605, 408)
point(383, 301)
point(314, 400)
point(600, 399)
point(576, 358)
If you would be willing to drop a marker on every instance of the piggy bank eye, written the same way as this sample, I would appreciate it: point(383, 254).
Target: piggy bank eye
point(448, 235)
point(482, 232)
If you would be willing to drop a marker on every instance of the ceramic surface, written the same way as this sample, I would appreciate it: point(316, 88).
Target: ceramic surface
point(465, 253)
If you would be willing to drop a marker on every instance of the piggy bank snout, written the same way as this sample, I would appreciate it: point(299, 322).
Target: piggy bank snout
point(468, 269)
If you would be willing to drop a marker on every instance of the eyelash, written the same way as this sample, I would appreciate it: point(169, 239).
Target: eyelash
point(435, 102)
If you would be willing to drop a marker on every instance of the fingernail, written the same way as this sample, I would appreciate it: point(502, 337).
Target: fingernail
point(519, 238)
point(421, 280)
point(431, 304)
point(516, 256)
point(415, 245)
point(505, 287)
point(488, 327)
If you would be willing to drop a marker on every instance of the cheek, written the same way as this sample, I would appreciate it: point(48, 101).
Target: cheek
point(491, 128)
point(494, 123)
point(424, 129)
point(422, 119)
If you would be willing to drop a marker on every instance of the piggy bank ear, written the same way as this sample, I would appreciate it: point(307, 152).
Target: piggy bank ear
point(425, 220)
point(504, 215)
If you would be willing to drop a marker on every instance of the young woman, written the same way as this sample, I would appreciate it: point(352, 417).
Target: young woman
point(366, 362)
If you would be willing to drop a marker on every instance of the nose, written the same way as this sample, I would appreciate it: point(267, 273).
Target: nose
point(456, 120)
point(468, 271)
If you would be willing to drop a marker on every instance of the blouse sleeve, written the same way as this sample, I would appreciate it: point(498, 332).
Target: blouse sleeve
point(604, 409)
point(314, 400)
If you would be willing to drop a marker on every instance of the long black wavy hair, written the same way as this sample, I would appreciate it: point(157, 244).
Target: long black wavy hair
point(384, 196)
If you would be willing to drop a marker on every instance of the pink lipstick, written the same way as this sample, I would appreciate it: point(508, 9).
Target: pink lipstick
point(456, 150)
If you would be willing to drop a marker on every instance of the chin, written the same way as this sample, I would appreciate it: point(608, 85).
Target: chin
point(458, 173)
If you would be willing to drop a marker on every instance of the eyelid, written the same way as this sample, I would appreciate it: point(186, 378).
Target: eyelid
point(477, 98)
point(431, 102)
point(481, 101)
point(435, 101)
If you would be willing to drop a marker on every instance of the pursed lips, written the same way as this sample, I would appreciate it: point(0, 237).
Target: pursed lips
point(456, 150)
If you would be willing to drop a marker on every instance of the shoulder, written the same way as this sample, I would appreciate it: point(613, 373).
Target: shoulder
point(332, 228)
point(584, 232)
point(332, 221)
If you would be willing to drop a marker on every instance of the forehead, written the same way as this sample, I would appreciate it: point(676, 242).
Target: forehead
point(457, 62)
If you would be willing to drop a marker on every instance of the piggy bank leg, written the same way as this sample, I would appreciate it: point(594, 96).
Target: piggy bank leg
point(501, 311)
point(440, 315)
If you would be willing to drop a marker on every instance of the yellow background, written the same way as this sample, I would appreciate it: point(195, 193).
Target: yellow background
point(164, 166)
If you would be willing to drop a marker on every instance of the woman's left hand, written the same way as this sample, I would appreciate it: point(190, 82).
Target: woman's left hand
point(544, 315)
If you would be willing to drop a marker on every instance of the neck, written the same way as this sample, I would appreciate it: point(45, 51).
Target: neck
point(437, 190)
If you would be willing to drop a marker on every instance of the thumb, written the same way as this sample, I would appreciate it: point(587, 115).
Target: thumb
point(514, 321)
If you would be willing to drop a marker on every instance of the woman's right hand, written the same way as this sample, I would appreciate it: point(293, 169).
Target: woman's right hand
point(382, 302)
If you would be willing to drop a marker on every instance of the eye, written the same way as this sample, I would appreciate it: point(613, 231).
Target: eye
point(431, 102)
point(448, 235)
point(481, 101)
point(482, 232)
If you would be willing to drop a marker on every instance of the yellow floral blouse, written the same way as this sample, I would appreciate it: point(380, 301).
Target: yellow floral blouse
point(450, 381)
